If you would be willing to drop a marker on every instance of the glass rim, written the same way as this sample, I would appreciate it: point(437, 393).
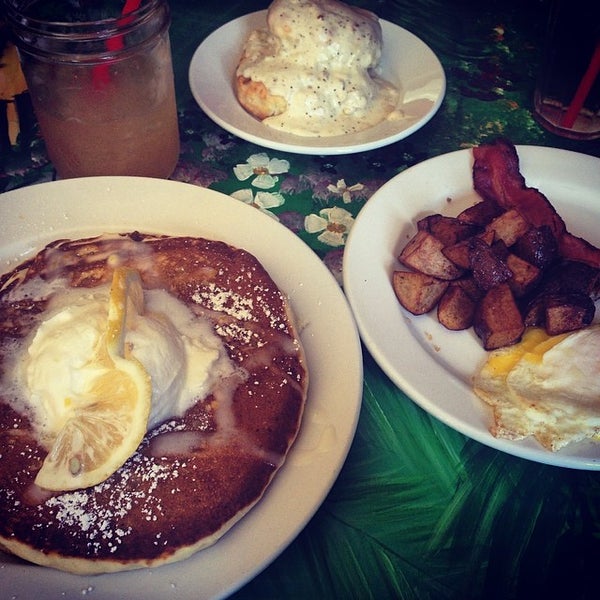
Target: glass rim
point(17, 18)
point(87, 42)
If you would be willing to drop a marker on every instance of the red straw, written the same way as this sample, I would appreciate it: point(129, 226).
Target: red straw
point(100, 75)
point(583, 90)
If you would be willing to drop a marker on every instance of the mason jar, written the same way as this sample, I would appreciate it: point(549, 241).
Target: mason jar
point(101, 84)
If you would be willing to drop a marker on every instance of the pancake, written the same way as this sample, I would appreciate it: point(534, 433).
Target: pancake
point(193, 476)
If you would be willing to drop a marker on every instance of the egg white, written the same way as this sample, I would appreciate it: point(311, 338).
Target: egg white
point(546, 387)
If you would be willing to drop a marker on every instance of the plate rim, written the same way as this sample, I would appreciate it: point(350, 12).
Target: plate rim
point(526, 449)
point(310, 266)
point(299, 144)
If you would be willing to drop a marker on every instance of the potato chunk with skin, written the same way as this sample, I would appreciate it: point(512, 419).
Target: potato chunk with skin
point(537, 246)
point(559, 312)
point(418, 293)
point(525, 276)
point(564, 298)
point(456, 308)
point(509, 226)
point(488, 269)
point(447, 230)
point(480, 213)
point(497, 320)
point(423, 253)
point(569, 312)
point(459, 253)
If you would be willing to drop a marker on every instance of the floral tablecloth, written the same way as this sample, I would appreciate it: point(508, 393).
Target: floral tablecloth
point(419, 511)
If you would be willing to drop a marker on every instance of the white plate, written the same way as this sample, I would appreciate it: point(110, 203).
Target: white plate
point(35, 215)
point(432, 365)
point(406, 62)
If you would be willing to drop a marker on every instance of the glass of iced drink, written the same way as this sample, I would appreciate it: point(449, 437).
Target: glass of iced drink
point(101, 82)
point(567, 94)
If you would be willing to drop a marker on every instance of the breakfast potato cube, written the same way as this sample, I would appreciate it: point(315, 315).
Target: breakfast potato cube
point(569, 279)
point(574, 276)
point(568, 312)
point(525, 276)
point(488, 269)
point(418, 293)
point(423, 253)
point(509, 226)
point(534, 312)
point(469, 285)
point(480, 213)
point(459, 253)
point(497, 320)
point(447, 229)
point(456, 308)
point(537, 246)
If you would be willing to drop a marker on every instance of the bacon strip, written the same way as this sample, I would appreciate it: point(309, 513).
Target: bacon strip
point(575, 248)
point(496, 176)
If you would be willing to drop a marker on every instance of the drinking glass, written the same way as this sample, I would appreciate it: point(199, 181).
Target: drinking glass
point(101, 84)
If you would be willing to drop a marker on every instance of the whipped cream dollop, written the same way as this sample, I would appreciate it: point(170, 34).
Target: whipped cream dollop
point(179, 350)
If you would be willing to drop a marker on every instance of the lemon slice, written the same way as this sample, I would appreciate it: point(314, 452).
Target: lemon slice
point(109, 422)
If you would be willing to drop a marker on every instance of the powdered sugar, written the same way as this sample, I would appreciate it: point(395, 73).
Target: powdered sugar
point(256, 304)
point(90, 512)
point(226, 301)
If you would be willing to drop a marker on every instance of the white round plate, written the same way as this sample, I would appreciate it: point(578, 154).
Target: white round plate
point(432, 365)
point(406, 62)
point(35, 215)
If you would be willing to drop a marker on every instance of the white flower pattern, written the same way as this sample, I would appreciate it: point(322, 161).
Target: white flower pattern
point(332, 224)
point(344, 190)
point(263, 201)
point(263, 169)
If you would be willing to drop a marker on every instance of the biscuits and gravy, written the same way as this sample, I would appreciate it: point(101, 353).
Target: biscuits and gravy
point(314, 70)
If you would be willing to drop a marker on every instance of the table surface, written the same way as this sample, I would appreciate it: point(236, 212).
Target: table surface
point(419, 510)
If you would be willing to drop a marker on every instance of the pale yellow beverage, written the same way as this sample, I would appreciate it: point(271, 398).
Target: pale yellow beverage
point(124, 125)
point(102, 90)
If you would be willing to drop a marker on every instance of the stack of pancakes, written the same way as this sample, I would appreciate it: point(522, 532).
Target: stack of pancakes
point(193, 476)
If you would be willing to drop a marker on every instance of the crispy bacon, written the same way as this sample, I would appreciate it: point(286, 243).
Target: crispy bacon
point(572, 247)
point(497, 178)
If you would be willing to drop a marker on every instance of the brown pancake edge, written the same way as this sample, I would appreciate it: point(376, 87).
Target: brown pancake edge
point(193, 477)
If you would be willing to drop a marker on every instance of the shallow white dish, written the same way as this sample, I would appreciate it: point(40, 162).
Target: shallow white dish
point(406, 62)
point(33, 216)
point(432, 365)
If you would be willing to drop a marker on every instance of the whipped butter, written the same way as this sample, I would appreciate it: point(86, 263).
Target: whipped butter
point(180, 352)
point(322, 57)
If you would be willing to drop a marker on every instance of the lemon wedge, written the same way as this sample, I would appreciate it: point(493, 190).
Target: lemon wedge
point(110, 421)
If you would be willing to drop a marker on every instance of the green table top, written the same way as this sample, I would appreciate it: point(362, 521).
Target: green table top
point(419, 510)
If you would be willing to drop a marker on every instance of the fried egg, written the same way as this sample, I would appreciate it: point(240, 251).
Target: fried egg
point(547, 387)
